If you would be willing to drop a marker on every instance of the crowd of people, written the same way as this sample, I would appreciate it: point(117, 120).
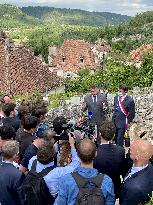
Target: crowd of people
point(40, 165)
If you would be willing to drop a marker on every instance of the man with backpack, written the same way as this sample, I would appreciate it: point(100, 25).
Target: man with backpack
point(85, 185)
point(34, 188)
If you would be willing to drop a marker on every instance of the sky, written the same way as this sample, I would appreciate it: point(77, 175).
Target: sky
point(127, 7)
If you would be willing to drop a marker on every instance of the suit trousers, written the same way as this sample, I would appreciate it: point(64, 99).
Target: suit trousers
point(119, 136)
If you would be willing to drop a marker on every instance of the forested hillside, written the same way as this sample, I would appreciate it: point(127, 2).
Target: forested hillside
point(75, 16)
point(12, 17)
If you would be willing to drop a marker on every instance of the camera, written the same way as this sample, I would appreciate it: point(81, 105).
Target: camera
point(87, 128)
point(66, 128)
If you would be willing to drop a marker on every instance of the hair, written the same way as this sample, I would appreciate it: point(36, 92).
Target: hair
point(25, 103)
point(47, 135)
point(30, 122)
point(86, 150)
point(65, 153)
point(9, 149)
point(38, 112)
point(7, 132)
point(93, 86)
point(124, 87)
point(2, 100)
point(58, 123)
point(46, 153)
point(23, 110)
point(7, 108)
point(107, 130)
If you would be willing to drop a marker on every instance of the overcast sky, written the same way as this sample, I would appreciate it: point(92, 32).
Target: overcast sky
point(129, 7)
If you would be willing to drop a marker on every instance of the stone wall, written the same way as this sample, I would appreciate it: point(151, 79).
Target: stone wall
point(144, 109)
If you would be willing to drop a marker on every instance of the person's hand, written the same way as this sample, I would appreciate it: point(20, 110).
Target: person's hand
point(71, 140)
point(80, 120)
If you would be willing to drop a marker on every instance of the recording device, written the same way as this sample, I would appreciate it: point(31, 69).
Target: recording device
point(88, 128)
point(66, 128)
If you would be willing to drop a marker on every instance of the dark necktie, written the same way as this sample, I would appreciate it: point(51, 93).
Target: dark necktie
point(94, 99)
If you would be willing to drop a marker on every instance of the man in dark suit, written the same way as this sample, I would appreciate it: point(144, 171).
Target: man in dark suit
point(137, 186)
point(95, 103)
point(10, 177)
point(10, 116)
point(124, 113)
point(110, 158)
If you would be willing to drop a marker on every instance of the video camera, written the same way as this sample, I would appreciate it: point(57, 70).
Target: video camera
point(66, 128)
point(87, 127)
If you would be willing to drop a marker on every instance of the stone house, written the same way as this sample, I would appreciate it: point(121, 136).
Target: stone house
point(137, 54)
point(21, 72)
point(76, 54)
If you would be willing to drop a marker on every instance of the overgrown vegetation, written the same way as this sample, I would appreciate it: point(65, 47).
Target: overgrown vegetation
point(38, 27)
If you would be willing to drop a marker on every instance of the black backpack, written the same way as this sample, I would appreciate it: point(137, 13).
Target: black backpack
point(89, 190)
point(34, 188)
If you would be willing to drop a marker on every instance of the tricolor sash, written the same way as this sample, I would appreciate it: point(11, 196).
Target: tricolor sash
point(120, 100)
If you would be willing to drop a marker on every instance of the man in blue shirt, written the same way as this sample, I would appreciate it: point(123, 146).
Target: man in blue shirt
point(52, 178)
point(68, 189)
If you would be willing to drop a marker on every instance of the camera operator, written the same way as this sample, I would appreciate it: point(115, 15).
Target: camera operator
point(61, 128)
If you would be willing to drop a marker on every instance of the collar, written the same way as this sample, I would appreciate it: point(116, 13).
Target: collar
point(94, 98)
point(138, 168)
point(104, 143)
point(7, 161)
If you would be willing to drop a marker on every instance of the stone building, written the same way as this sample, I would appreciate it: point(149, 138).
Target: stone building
point(76, 54)
point(21, 72)
point(137, 54)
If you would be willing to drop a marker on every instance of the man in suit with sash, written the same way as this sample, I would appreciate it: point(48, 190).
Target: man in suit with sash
point(124, 113)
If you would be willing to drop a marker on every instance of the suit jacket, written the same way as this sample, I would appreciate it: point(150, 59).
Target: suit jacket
point(10, 183)
point(118, 117)
point(110, 160)
point(13, 121)
point(138, 188)
point(96, 108)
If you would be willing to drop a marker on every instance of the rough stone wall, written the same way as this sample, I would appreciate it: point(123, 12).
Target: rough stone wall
point(22, 73)
point(144, 109)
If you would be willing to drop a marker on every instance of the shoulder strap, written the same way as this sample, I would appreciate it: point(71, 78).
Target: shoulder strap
point(81, 181)
point(98, 180)
point(45, 171)
point(34, 164)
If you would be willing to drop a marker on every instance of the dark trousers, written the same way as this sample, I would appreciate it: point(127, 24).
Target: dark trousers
point(119, 136)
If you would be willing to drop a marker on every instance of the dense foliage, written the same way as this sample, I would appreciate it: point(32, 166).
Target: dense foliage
point(75, 16)
point(114, 74)
point(38, 27)
point(12, 17)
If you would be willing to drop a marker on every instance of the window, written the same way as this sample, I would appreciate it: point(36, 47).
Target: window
point(63, 58)
point(81, 60)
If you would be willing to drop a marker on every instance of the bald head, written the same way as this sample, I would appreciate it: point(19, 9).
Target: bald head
point(86, 150)
point(7, 99)
point(141, 150)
